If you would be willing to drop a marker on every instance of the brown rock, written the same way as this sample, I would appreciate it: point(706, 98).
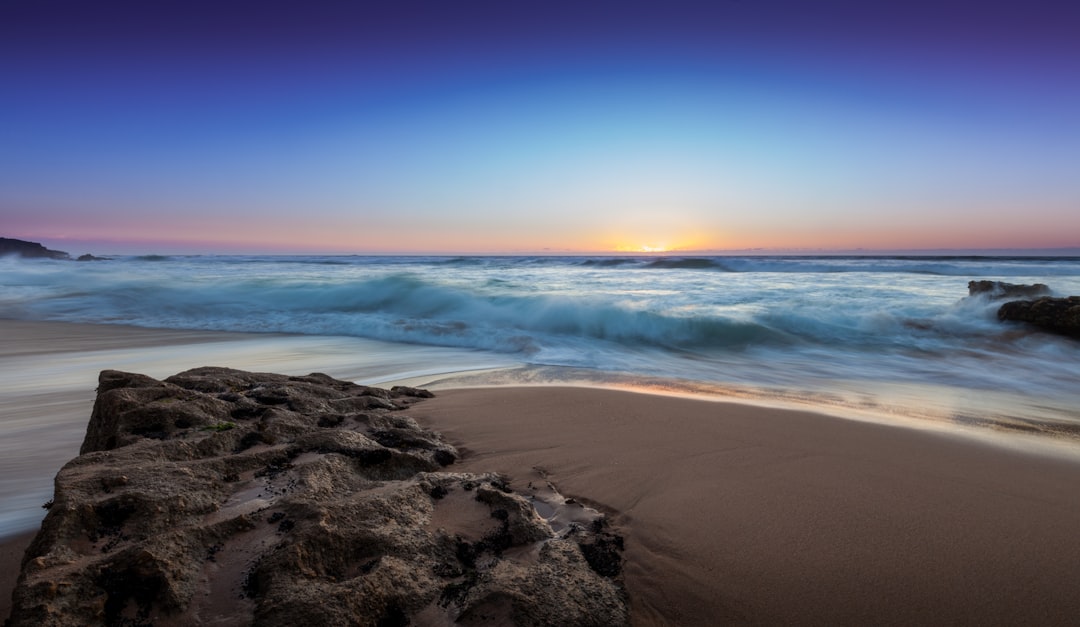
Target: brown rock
point(1056, 315)
point(226, 497)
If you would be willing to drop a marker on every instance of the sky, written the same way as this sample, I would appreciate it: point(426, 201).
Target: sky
point(525, 126)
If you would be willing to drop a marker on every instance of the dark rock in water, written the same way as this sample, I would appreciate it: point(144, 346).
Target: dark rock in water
point(89, 257)
point(219, 496)
point(998, 289)
point(29, 249)
point(1056, 315)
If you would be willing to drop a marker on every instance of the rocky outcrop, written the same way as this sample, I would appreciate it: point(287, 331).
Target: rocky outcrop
point(1056, 315)
point(89, 257)
point(23, 248)
point(221, 497)
point(999, 289)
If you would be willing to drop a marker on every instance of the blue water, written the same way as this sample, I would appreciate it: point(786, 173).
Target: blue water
point(895, 332)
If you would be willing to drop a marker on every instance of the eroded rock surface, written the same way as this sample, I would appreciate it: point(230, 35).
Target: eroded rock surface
point(1056, 315)
point(221, 497)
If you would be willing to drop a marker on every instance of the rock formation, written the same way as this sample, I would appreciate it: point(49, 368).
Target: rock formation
point(23, 248)
point(1056, 315)
point(225, 497)
point(999, 289)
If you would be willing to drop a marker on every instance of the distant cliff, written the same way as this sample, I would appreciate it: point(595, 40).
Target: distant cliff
point(29, 249)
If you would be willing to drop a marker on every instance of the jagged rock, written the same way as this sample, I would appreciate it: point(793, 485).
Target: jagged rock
point(999, 289)
point(403, 389)
point(1056, 315)
point(219, 496)
point(23, 248)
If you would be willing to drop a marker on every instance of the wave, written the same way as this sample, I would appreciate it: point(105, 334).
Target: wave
point(959, 266)
point(572, 308)
point(930, 266)
point(406, 307)
point(687, 263)
point(611, 262)
point(461, 261)
point(998, 268)
point(397, 307)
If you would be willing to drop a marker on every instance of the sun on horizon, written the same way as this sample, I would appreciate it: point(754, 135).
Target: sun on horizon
point(642, 248)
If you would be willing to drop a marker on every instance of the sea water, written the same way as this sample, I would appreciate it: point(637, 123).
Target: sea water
point(894, 338)
point(897, 334)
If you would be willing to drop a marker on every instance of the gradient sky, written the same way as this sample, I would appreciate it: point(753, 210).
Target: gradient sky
point(524, 126)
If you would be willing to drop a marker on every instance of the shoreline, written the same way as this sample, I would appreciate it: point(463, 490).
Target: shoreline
point(49, 370)
point(732, 510)
point(119, 346)
point(920, 407)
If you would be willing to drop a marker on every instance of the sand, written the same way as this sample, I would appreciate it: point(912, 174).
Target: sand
point(732, 513)
point(749, 515)
point(11, 554)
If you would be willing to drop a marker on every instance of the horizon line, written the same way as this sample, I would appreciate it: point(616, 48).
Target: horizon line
point(176, 248)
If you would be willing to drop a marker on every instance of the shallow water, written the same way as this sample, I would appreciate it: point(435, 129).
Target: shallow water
point(787, 325)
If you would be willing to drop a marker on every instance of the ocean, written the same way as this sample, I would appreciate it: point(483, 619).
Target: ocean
point(895, 335)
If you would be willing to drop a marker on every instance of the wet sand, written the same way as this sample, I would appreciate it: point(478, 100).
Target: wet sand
point(11, 554)
point(736, 514)
point(732, 513)
point(48, 372)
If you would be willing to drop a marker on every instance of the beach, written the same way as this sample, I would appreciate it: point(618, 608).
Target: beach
point(728, 313)
point(738, 514)
point(732, 512)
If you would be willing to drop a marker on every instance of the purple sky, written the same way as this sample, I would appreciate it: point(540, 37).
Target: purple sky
point(520, 127)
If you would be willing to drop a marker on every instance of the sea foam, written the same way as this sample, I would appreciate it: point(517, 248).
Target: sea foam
point(792, 322)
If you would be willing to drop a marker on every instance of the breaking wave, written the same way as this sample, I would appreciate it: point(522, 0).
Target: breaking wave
point(687, 263)
point(758, 318)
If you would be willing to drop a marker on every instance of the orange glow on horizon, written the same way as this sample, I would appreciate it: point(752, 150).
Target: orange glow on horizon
point(224, 235)
point(658, 246)
point(642, 248)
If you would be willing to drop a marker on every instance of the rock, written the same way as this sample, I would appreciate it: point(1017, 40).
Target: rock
point(998, 289)
point(219, 496)
point(89, 257)
point(23, 248)
point(403, 389)
point(1056, 315)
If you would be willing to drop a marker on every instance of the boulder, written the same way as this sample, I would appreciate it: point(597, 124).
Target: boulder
point(219, 496)
point(999, 289)
point(1056, 315)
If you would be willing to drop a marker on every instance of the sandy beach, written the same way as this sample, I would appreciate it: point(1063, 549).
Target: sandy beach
point(732, 513)
point(737, 514)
